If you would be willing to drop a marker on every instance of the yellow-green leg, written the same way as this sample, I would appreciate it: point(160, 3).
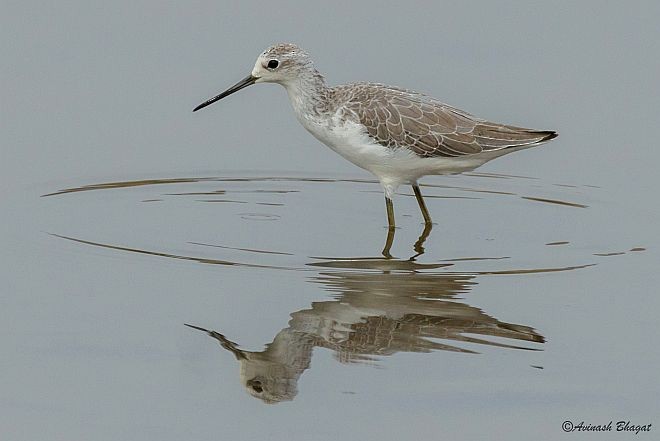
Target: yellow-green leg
point(391, 226)
point(422, 205)
point(390, 213)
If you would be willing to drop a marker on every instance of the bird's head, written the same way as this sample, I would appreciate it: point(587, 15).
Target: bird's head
point(283, 63)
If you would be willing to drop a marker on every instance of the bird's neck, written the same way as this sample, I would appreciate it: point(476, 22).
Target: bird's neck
point(309, 94)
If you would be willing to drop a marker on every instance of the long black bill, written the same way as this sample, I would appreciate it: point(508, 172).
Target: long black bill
point(245, 82)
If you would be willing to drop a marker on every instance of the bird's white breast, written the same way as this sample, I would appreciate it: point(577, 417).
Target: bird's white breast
point(345, 137)
point(348, 139)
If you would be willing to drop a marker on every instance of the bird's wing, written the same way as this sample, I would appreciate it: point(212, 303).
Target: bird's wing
point(401, 118)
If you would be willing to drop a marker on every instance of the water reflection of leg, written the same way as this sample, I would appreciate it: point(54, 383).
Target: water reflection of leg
point(419, 245)
point(388, 243)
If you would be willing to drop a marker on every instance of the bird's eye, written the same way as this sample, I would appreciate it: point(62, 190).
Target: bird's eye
point(272, 64)
point(255, 385)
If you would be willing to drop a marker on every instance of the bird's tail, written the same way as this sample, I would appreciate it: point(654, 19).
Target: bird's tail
point(498, 136)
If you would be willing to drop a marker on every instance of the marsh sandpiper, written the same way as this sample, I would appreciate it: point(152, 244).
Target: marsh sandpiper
point(397, 134)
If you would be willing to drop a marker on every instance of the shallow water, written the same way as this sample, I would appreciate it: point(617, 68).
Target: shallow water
point(308, 313)
point(533, 299)
point(255, 199)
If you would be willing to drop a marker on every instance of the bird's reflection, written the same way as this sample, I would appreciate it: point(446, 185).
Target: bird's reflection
point(418, 247)
point(372, 315)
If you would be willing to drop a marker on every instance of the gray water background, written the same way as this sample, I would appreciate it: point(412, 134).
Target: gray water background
point(93, 343)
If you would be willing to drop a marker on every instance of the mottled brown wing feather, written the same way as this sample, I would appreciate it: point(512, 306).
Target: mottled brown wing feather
point(400, 118)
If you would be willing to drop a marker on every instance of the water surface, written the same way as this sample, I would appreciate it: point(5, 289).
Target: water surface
point(532, 301)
